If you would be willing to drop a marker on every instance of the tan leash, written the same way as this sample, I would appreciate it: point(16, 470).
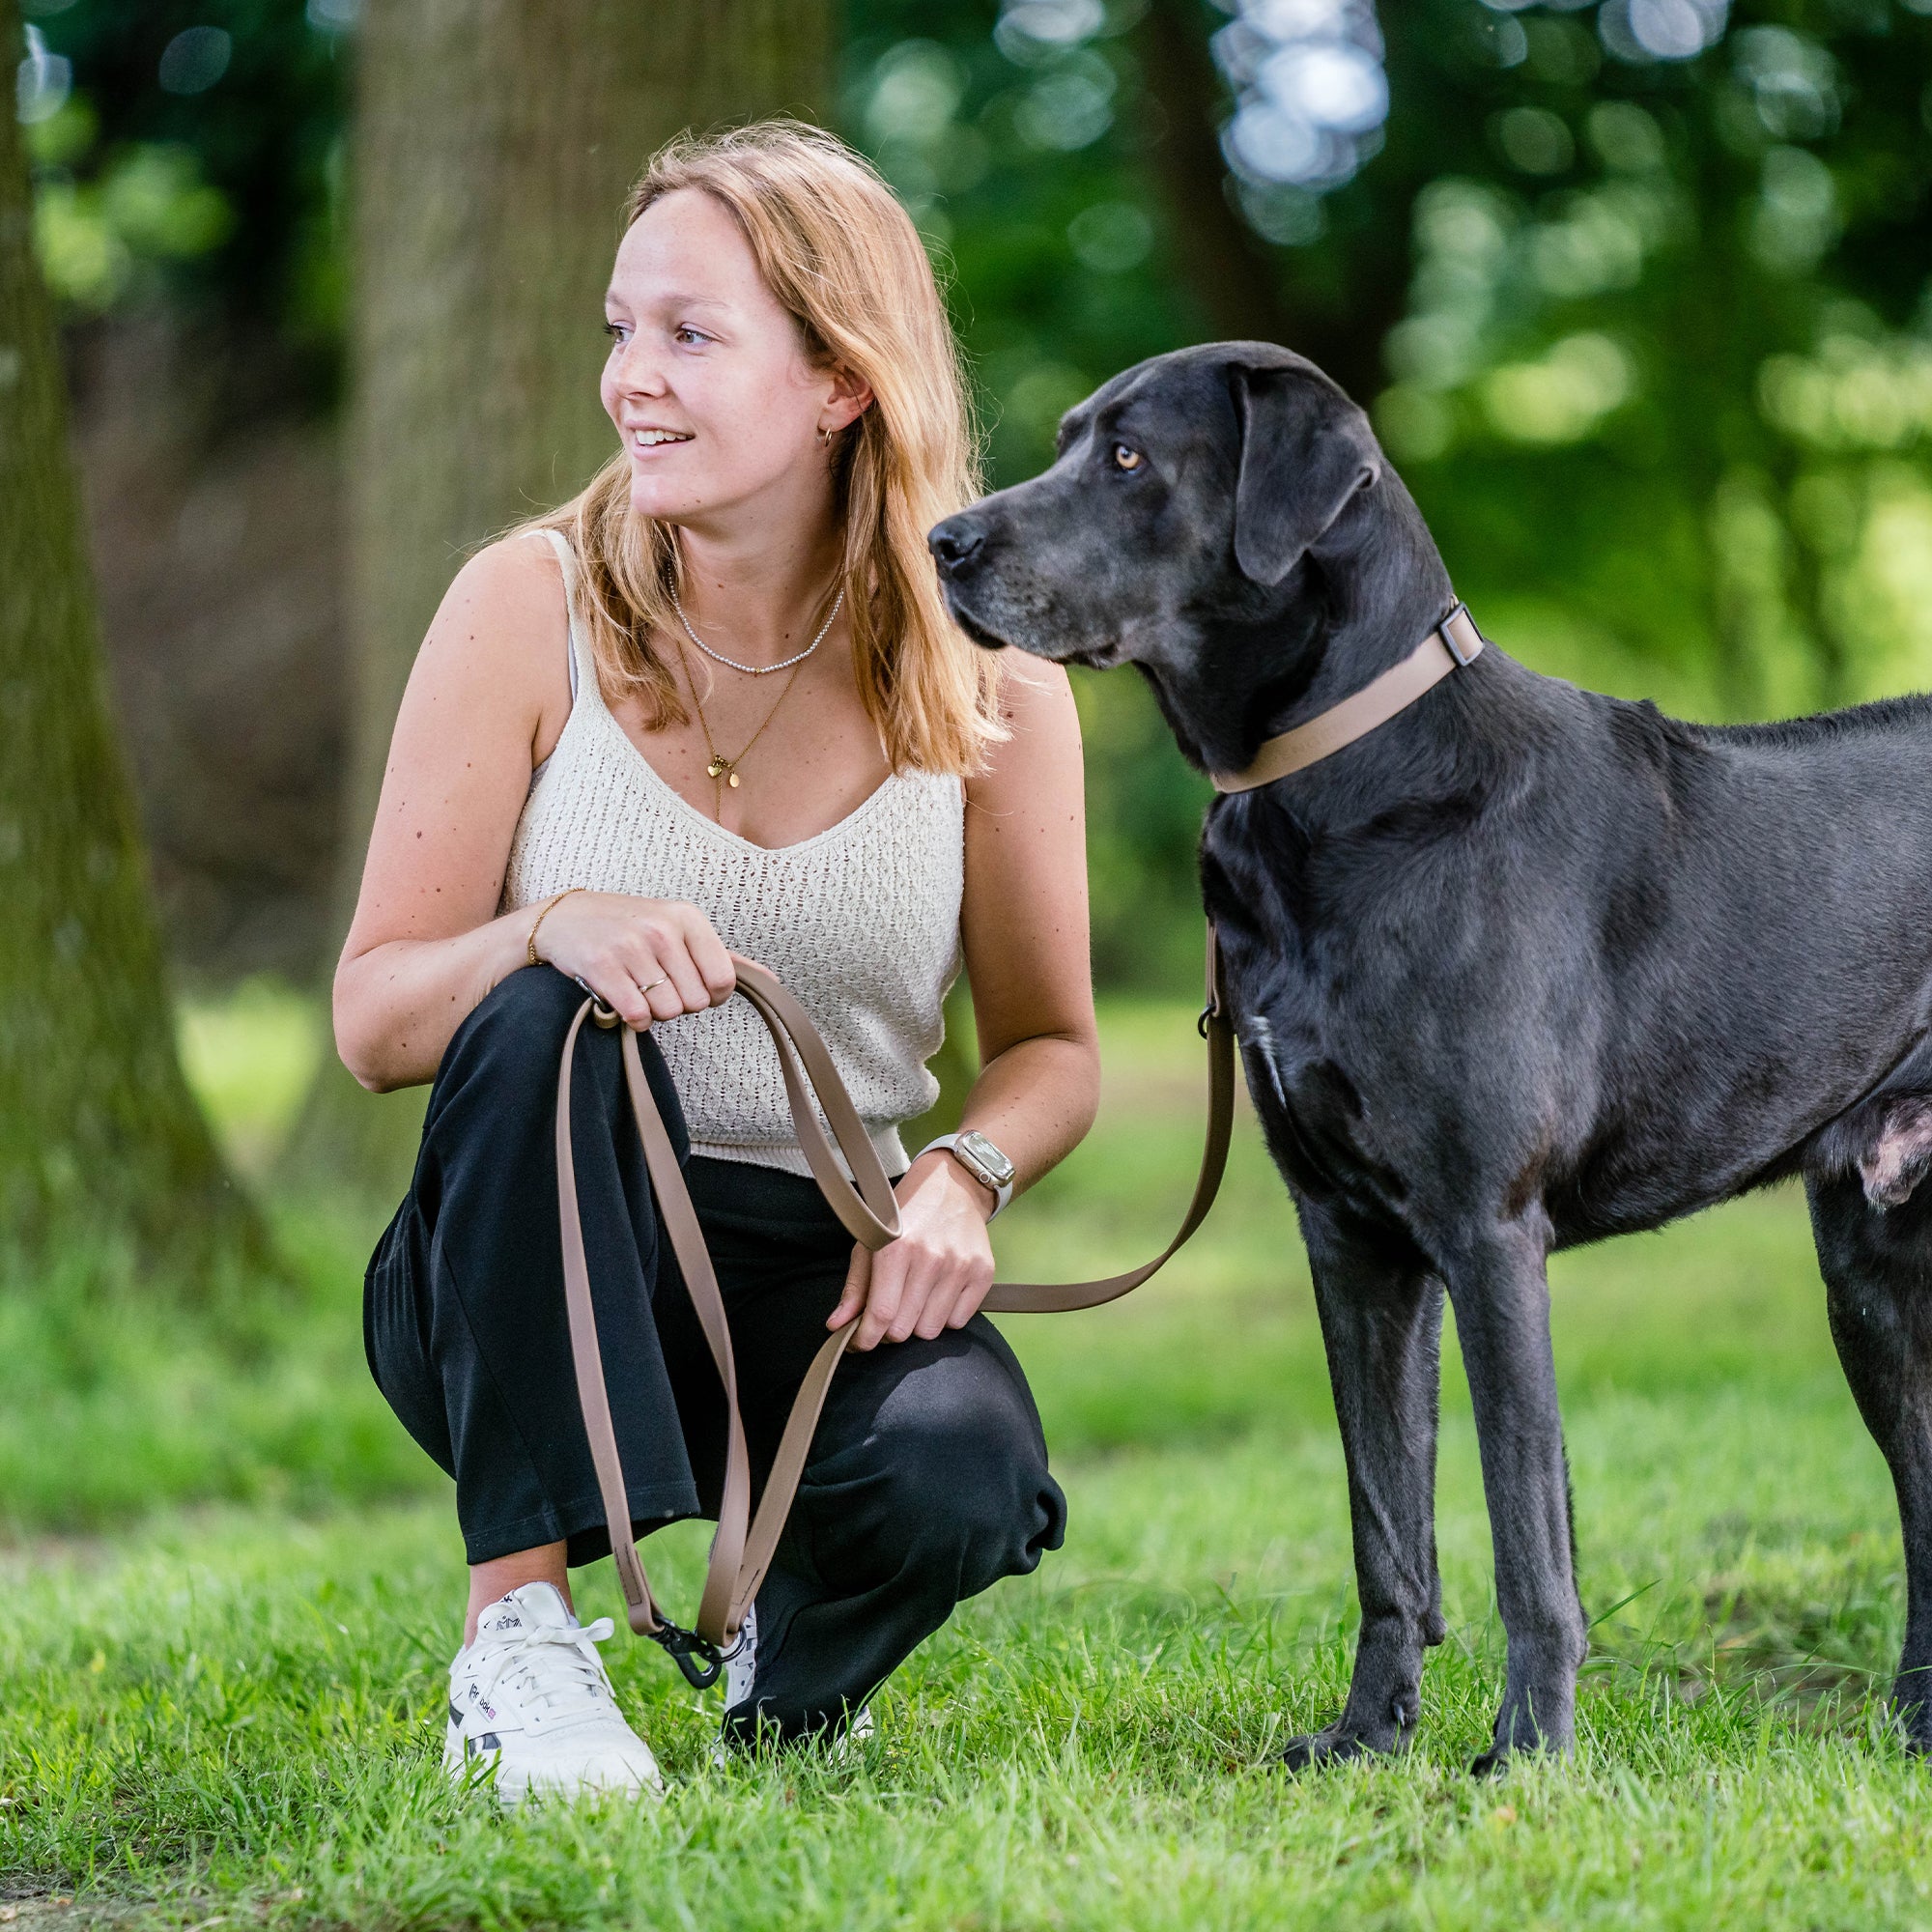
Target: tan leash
point(742, 1551)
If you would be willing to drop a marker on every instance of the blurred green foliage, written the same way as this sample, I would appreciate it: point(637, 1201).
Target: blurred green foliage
point(1025, 179)
point(1634, 290)
point(250, 1056)
point(193, 151)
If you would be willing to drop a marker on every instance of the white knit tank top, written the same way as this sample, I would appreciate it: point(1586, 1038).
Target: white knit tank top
point(860, 921)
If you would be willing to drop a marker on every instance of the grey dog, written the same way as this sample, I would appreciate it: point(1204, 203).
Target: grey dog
point(1523, 967)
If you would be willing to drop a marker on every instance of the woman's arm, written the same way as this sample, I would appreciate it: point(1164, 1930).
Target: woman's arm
point(486, 699)
point(1023, 924)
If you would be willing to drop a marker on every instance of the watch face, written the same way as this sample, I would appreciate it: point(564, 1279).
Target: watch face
point(988, 1156)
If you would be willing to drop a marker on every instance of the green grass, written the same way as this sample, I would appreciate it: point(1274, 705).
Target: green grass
point(225, 1629)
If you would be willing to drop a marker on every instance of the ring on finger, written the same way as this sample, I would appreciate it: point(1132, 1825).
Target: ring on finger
point(658, 981)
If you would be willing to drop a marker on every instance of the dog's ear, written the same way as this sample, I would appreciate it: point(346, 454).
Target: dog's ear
point(1304, 455)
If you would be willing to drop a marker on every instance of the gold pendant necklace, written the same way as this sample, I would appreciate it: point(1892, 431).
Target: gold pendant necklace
point(720, 766)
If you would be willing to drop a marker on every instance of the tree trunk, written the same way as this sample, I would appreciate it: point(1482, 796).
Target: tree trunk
point(1337, 317)
point(98, 1130)
point(1221, 259)
point(494, 146)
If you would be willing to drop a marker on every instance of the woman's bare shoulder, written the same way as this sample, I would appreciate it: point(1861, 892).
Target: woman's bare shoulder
point(502, 620)
point(494, 668)
point(1037, 706)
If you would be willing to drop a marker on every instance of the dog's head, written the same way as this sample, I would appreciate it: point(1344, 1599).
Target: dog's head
point(1187, 498)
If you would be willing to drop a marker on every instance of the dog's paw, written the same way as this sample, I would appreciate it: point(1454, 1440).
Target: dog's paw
point(1499, 1759)
point(1909, 1710)
point(1518, 1735)
point(1338, 1743)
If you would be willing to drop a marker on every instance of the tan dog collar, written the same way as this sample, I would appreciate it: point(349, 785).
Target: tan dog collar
point(1451, 645)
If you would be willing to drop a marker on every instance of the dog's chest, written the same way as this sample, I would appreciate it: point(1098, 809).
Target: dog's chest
point(1319, 1111)
point(1335, 1054)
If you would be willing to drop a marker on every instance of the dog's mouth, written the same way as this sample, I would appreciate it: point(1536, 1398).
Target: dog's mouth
point(1097, 657)
point(982, 635)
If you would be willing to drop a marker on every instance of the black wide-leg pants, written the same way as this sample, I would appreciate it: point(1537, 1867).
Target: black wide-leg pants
point(927, 1480)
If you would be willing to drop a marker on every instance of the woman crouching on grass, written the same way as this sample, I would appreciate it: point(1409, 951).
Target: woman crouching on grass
point(714, 701)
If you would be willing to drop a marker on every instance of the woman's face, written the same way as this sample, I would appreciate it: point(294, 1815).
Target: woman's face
point(708, 381)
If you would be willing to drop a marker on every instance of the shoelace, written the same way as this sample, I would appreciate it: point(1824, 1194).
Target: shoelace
point(559, 1668)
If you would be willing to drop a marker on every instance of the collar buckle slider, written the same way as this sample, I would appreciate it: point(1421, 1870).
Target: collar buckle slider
point(1450, 632)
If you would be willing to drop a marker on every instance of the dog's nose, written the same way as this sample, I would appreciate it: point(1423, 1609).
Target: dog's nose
point(955, 544)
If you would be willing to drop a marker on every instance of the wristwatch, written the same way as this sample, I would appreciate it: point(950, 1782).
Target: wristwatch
point(981, 1159)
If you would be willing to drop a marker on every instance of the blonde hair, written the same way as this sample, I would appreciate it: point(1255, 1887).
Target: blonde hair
point(841, 255)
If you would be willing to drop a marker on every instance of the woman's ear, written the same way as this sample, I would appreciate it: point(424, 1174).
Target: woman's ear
point(850, 398)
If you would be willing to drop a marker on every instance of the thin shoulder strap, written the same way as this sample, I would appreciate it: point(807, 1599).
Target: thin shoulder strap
point(573, 639)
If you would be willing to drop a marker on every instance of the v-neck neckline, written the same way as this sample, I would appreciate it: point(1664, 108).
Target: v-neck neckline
point(738, 839)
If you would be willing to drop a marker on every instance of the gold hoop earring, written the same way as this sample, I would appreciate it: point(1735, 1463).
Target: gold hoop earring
point(824, 437)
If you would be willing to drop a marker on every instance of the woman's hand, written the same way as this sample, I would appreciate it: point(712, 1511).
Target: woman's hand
point(936, 1274)
point(647, 959)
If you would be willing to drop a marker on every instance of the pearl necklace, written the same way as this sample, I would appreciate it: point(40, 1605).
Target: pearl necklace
point(756, 671)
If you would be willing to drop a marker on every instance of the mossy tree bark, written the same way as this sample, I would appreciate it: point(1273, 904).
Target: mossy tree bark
point(494, 146)
point(98, 1130)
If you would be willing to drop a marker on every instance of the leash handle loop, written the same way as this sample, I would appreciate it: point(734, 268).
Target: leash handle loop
point(743, 1548)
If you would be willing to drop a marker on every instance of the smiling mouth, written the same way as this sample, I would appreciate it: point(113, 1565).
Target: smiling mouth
point(656, 438)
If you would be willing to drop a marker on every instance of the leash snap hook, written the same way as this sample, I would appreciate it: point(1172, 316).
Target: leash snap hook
point(695, 1656)
point(600, 1014)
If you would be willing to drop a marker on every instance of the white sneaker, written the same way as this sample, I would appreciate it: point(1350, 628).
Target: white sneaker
point(741, 1666)
point(741, 1660)
point(854, 1734)
point(529, 1700)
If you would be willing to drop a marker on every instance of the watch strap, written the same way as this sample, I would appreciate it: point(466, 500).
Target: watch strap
point(1003, 1190)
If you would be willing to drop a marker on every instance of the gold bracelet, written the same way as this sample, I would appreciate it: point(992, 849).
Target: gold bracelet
point(533, 960)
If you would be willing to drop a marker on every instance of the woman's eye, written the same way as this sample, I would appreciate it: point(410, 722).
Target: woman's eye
point(1126, 456)
point(615, 329)
point(688, 335)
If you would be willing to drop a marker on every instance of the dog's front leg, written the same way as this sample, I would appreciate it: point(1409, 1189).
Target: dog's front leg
point(1501, 1297)
point(1381, 1324)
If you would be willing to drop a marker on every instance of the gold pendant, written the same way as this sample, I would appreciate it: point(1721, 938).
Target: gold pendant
point(734, 781)
point(717, 769)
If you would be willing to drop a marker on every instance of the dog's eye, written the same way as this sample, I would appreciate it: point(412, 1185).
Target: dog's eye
point(1126, 456)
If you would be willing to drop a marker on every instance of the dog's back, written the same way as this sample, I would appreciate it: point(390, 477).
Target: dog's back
point(1691, 947)
point(1800, 952)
